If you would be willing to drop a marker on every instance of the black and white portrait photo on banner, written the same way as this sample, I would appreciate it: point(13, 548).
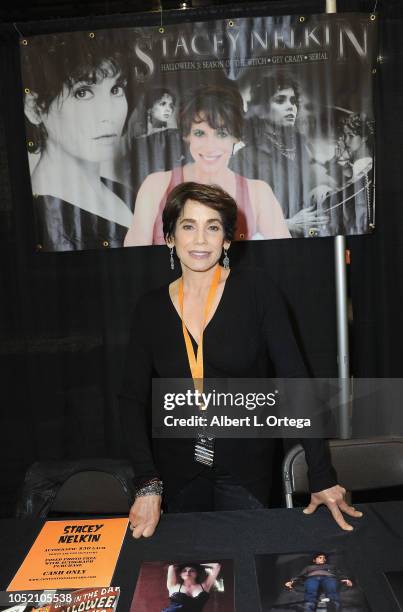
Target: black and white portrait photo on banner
point(278, 111)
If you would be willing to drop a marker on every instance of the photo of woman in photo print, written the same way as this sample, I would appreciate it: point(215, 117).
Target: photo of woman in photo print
point(76, 108)
point(191, 586)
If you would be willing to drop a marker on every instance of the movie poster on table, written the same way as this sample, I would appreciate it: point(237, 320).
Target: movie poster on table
point(278, 111)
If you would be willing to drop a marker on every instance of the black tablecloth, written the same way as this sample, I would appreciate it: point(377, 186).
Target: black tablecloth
point(375, 546)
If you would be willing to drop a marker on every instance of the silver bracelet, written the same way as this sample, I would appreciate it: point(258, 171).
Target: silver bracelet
point(153, 488)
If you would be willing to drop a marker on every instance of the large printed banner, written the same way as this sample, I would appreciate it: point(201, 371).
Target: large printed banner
point(278, 111)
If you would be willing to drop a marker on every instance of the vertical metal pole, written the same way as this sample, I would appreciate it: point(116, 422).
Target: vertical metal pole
point(343, 357)
point(342, 337)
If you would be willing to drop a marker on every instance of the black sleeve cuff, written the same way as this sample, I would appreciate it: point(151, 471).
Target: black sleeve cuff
point(321, 473)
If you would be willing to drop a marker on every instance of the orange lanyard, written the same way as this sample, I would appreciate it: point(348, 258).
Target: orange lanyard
point(196, 362)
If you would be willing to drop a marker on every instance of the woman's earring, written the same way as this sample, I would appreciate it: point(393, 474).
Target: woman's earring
point(171, 257)
point(225, 261)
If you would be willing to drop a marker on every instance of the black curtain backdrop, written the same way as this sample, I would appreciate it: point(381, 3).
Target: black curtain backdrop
point(65, 317)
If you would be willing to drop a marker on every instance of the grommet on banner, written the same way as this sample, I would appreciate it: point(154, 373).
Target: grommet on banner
point(91, 35)
point(30, 143)
point(372, 17)
point(161, 29)
point(231, 23)
point(313, 232)
point(24, 42)
point(302, 19)
point(105, 243)
point(242, 236)
point(39, 247)
point(27, 90)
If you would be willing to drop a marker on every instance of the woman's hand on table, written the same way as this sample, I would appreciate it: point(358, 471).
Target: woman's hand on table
point(334, 499)
point(144, 515)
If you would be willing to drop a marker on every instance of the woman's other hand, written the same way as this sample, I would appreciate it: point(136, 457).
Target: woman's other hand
point(144, 515)
point(334, 499)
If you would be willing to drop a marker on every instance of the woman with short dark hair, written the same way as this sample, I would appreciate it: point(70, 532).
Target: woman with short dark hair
point(211, 124)
point(159, 103)
point(212, 322)
point(212, 196)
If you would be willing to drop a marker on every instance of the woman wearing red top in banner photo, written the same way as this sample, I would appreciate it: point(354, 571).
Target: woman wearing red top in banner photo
point(211, 120)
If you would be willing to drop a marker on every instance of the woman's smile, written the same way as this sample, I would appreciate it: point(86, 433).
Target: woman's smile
point(211, 157)
point(200, 254)
point(210, 147)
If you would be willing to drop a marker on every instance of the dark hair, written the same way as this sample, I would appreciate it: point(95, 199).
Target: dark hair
point(201, 571)
point(60, 60)
point(267, 86)
point(320, 554)
point(154, 94)
point(210, 195)
point(220, 107)
point(359, 124)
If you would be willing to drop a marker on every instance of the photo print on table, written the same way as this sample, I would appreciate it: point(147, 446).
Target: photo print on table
point(313, 581)
point(171, 586)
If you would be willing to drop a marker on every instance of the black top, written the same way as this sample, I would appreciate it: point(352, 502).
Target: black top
point(62, 226)
point(187, 603)
point(248, 336)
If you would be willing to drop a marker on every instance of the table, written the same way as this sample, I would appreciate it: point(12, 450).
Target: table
point(375, 546)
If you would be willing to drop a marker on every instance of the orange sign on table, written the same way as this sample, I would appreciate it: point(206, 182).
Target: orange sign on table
point(72, 554)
